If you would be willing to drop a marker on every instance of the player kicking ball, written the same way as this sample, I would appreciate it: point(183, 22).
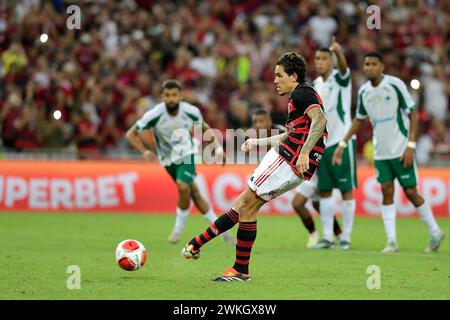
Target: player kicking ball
point(171, 123)
point(385, 100)
point(293, 158)
point(262, 122)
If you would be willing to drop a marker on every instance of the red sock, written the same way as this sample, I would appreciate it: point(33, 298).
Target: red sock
point(222, 224)
point(246, 236)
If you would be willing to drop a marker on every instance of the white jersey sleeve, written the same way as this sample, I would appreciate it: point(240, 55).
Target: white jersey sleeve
point(343, 79)
point(149, 119)
point(192, 112)
point(406, 101)
point(361, 112)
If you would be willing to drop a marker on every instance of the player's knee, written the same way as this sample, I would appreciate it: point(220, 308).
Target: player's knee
point(347, 195)
point(411, 193)
point(195, 194)
point(242, 205)
point(245, 205)
point(387, 189)
point(183, 187)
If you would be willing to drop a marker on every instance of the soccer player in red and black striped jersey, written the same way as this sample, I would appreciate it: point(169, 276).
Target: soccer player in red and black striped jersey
point(293, 158)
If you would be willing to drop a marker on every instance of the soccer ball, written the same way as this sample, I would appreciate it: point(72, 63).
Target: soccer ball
point(131, 255)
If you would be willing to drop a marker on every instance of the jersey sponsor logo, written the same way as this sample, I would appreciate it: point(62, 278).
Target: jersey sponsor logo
point(318, 156)
point(286, 153)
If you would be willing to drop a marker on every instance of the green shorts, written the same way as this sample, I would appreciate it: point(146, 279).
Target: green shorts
point(388, 170)
point(185, 171)
point(343, 176)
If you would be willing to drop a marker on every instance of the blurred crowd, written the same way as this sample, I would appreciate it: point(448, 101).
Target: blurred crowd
point(82, 89)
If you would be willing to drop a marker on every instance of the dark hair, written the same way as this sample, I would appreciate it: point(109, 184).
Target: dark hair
point(292, 63)
point(374, 54)
point(323, 49)
point(171, 84)
point(260, 112)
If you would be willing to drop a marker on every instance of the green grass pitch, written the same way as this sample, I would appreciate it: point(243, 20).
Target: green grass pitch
point(36, 250)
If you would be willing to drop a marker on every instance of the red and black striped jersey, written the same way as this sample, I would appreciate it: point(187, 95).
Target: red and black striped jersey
point(303, 98)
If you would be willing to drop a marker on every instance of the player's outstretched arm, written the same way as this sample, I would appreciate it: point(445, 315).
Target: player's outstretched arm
point(339, 52)
point(357, 125)
point(318, 125)
point(270, 141)
point(133, 137)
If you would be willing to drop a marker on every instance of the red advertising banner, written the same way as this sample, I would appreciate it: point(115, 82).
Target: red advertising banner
point(147, 188)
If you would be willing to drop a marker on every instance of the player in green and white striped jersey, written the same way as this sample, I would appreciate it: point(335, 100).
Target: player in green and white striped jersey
point(172, 123)
point(385, 100)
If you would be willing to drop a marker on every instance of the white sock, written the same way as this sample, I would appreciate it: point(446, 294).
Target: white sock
point(348, 217)
point(427, 215)
point(326, 216)
point(388, 212)
point(210, 216)
point(180, 221)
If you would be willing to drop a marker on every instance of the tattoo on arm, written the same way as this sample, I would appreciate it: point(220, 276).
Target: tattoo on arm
point(318, 124)
point(271, 140)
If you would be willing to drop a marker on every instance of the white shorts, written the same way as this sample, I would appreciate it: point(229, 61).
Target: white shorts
point(273, 177)
point(309, 189)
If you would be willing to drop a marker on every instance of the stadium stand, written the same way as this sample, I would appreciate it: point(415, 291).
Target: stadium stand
point(75, 95)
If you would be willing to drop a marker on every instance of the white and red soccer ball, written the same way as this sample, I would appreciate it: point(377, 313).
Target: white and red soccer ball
point(131, 255)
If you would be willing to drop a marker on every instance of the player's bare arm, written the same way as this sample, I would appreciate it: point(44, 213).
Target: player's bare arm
point(318, 125)
point(269, 141)
point(408, 155)
point(356, 127)
point(134, 139)
point(339, 52)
